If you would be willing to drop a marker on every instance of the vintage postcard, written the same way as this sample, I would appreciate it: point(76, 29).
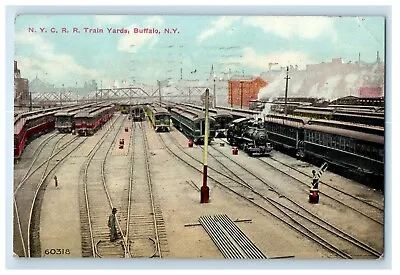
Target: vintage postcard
point(199, 137)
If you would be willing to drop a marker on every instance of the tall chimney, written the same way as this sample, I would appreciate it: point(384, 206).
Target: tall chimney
point(377, 57)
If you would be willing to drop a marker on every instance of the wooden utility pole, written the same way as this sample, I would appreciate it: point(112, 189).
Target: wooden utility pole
point(205, 190)
point(286, 89)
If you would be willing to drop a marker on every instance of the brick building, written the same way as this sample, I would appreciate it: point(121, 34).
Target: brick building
point(21, 88)
point(244, 89)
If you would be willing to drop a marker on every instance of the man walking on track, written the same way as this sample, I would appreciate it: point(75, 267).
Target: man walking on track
point(111, 225)
point(55, 181)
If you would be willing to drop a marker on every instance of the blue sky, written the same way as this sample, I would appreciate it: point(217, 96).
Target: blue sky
point(236, 43)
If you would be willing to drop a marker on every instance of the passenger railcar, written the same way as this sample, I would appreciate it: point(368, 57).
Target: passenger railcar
point(358, 148)
point(222, 119)
point(250, 136)
point(257, 104)
point(286, 132)
point(65, 119)
point(159, 118)
point(362, 116)
point(314, 112)
point(19, 135)
point(137, 113)
point(352, 150)
point(124, 108)
point(29, 125)
point(239, 113)
point(88, 122)
point(192, 124)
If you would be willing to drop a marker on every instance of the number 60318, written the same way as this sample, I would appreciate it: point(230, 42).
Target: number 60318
point(56, 251)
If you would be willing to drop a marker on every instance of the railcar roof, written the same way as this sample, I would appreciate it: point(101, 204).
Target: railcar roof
point(191, 115)
point(348, 133)
point(41, 115)
point(18, 124)
point(278, 118)
point(312, 112)
point(366, 115)
point(238, 111)
point(92, 113)
point(159, 110)
point(340, 124)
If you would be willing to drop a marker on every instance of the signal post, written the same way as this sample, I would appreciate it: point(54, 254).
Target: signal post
point(205, 190)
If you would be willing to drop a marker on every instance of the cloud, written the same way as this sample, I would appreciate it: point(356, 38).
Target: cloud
point(219, 25)
point(154, 21)
point(132, 42)
point(61, 68)
point(254, 60)
point(305, 27)
point(109, 19)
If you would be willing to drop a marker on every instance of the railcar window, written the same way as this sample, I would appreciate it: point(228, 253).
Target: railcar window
point(375, 152)
point(358, 148)
point(381, 155)
point(324, 139)
point(333, 141)
point(363, 149)
point(341, 143)
point(347, 144)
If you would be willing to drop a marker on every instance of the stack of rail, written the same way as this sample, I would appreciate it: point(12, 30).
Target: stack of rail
point(229, 239)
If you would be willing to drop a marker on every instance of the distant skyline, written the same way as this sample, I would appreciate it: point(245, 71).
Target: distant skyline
point(64, 49)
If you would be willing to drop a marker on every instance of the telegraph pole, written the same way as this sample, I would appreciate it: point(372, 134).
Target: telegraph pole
point(286, 89)
point(30, 101)
point(241, 94)
point(215, 97)
point(159, 90)
point(231, 93)
point(205, 190)
point(101, 90)
point(61, 94)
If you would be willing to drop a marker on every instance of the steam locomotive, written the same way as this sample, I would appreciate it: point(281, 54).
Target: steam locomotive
point(250, 136)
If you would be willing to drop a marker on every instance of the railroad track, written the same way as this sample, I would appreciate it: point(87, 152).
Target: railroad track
point(368, 210)
point(139, 220)
point(145, 225)
point(28, 197)
point(338, 242)
point(32, 157)
point(96, 203)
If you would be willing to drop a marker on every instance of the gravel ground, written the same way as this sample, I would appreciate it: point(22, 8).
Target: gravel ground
point(180, 203)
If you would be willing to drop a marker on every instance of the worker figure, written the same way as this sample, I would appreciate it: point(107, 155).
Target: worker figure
point(55, 181)
point(111, 225)
point(315, 180)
